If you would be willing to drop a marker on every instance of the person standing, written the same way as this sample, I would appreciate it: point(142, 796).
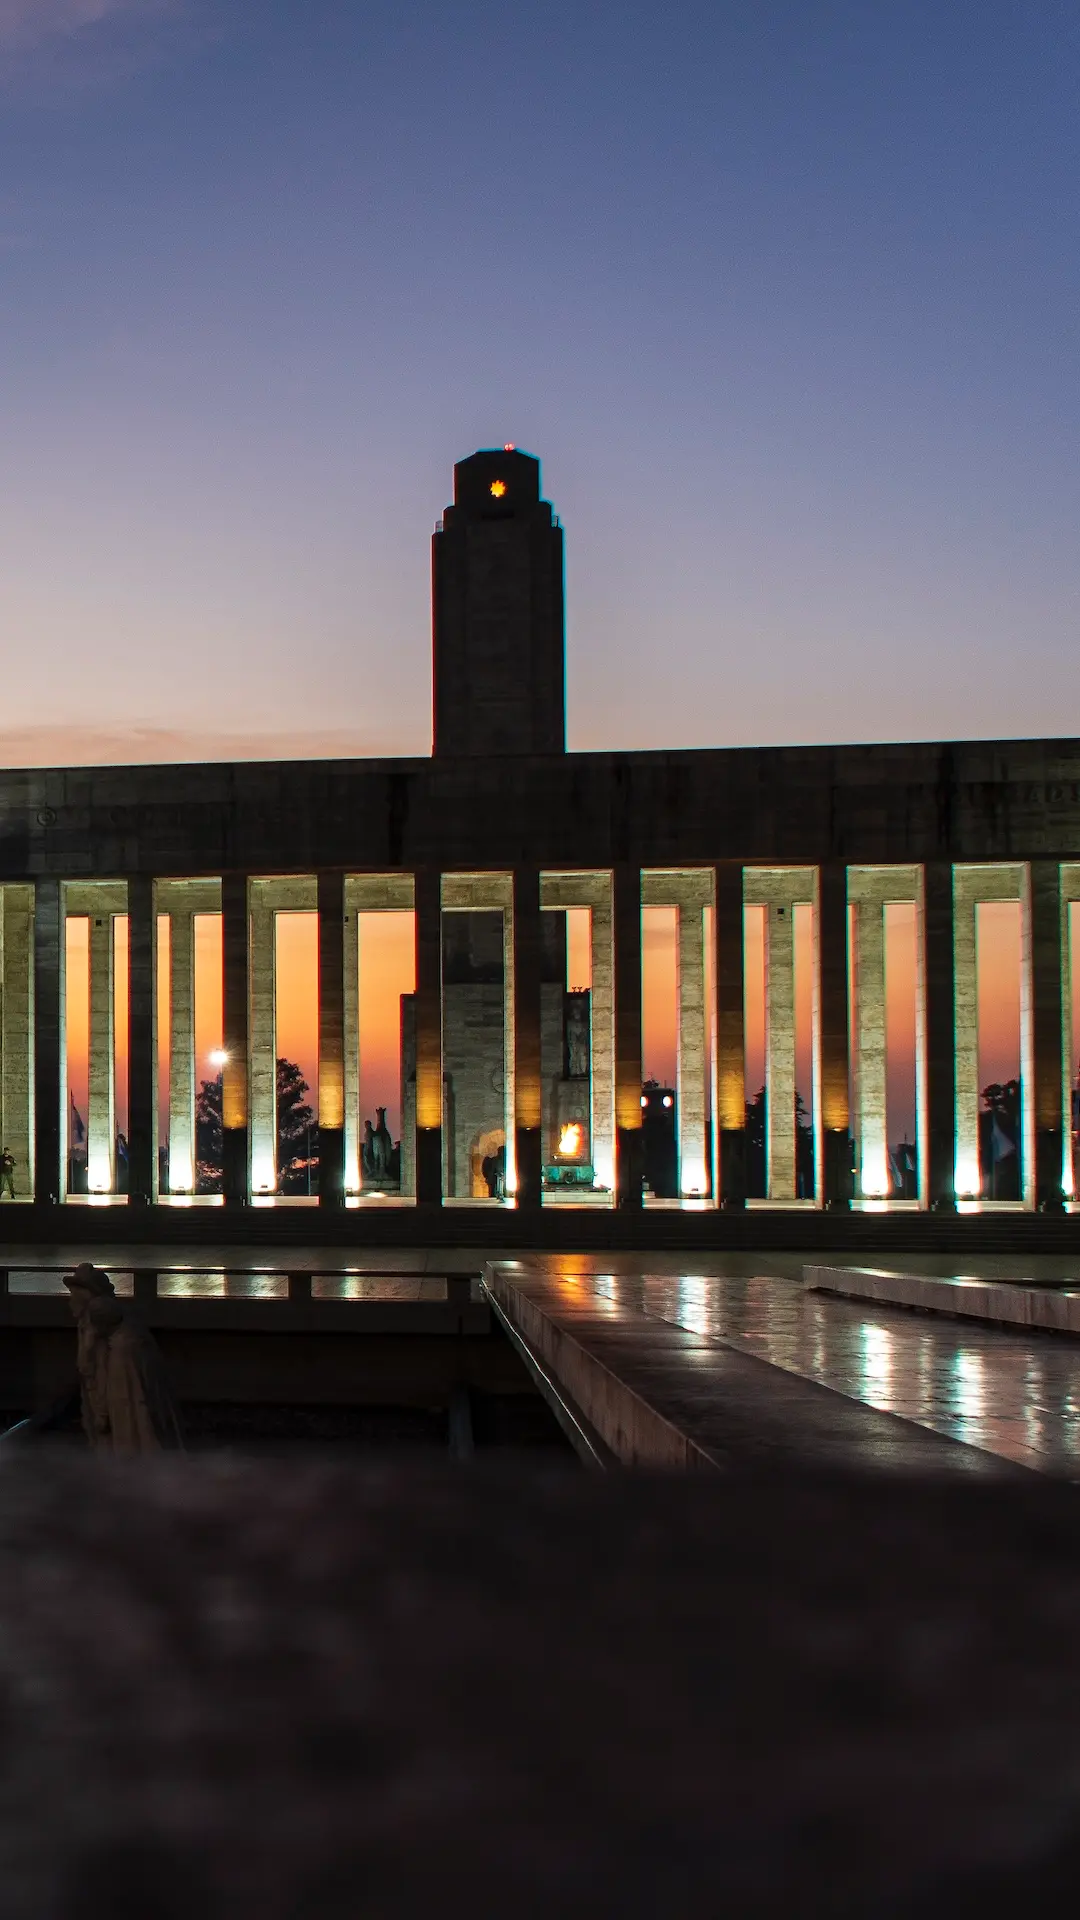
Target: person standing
point(7, 1174)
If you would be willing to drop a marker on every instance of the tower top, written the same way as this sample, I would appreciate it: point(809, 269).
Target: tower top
point(497, 612)
point(497, 481)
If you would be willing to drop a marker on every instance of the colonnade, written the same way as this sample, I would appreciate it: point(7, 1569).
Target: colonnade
point(848, 907)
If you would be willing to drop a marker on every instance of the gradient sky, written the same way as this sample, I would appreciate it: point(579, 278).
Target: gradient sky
point(785, 297)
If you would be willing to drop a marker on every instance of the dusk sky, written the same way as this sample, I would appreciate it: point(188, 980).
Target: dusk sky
point(784, 296)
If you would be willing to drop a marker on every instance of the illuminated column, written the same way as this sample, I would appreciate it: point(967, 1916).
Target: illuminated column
point(16, 1033)
point(966, 1042)
point(181, 1051)
point(730, 1121)
point(262, 1064)
point(935, 1037)
point(1044, 1047)
point(626, 921)
point(142, 1041)
point(50, 1157)
point(870, 1056)
point(331, 908)
point(693, 1170)
point(780, 1050)
point(832, 1115)
point(523, 1043)
point(235, 937)
point(351, 963)
point(428, 1005)
point(101, 1090)
point(602, 1035)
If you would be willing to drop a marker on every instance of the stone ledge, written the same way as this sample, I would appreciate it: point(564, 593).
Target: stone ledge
point(960, 1296)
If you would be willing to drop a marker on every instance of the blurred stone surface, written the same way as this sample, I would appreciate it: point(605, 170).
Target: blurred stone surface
point(228, 1690)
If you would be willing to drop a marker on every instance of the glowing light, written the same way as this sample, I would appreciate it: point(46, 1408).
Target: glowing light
point(968, 1179)
point(181, 1172)
point(218, 1057)
point(693, 1178)
point(571, 1139)
point(498, 488)
point(644, 1100)
point(99, 1174)
point(667, 1099)
point(263, 1173)
point(508, 446)
point(874, 1178)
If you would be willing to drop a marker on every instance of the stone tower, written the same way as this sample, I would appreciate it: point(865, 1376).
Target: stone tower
point(497, 612)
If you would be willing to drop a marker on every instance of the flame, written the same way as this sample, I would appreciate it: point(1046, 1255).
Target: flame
point(571, 1139)
point(498, 488)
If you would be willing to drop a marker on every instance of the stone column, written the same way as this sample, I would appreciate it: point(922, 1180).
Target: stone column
point(832, 1100)
point(16, 1033)
point(234, 1092)
point(936, 1039)
point(626, 917)
point(525, 1047)
point(331, 898)
point(1044, 1049)
point(730, 1121)
point(692, 1044)
point(351, 964)
point(602, 1035)
point(50, 1137)
point(871, 1086)
point(780, 1051)
point(142, 1041)
point(262, 1050)
point(968, 1177)
point(428, 1003)
point(101, 1092)
point(181, 1051)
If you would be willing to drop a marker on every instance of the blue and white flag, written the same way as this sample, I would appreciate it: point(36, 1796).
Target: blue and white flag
point(78, 1127)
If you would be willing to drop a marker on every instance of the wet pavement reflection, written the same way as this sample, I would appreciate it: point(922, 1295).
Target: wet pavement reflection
point(1017, 1395)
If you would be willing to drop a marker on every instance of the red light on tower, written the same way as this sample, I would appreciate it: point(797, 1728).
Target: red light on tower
point(508, 446)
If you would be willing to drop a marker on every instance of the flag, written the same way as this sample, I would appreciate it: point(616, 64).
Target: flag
point(78, 1127)
point(1000, 1144)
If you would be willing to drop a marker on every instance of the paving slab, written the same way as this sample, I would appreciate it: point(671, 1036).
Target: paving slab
point(657, 1394)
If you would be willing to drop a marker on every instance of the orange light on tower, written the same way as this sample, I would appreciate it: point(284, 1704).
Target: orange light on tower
point(571, 1140)
point(498, 488)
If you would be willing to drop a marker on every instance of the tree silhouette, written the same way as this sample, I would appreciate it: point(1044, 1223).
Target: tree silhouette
point(297, 1133)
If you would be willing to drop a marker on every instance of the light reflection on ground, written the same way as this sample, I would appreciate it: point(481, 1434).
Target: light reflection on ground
point(1016, 1395)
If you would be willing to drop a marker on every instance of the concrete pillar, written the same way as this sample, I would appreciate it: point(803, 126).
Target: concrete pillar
point(692, 1052)
point(234, 1092)
point(871, 1085)
point(331, 899)
point(730, 1080)
point(780, 1051)
point(626, 920)
point(832, 1118)
point(50, 1127)
point(142, 1041)
point(936, 1038)
point(1044, 1048)
point(523, 1042)
point(101, 1094)
point(16, 1033)
point(262, 1054)
point(428, 1003)
point(968, 1176)
point(181, 1051)
point(351, 1016)
point(602, 1036)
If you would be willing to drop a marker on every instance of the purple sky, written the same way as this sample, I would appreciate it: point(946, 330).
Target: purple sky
point(785, 297)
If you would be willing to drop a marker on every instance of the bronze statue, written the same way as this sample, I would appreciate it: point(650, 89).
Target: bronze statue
point(126, 1404)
